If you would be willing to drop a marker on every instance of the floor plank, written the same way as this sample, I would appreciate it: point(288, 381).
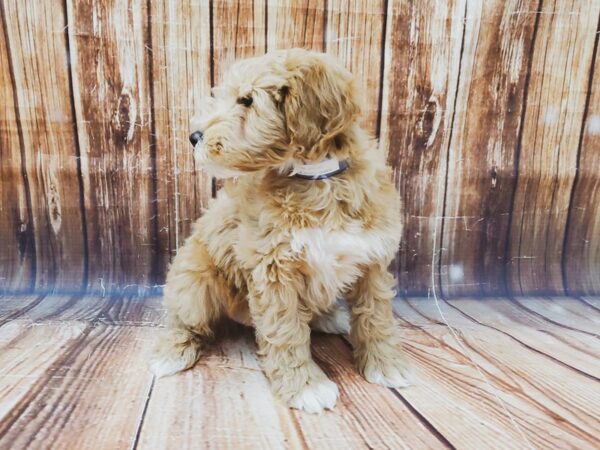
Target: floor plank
point(594, 302)
point(230, 406)
point(577, 350)
point(224, 402)
point(549, 405)
point(564, 312)
point(62, 308)
point(73, 375)
point(134, 311)
point(92, 397)
point(12, 306)
point(27, 352)
point(110, 310)
point(367, 415)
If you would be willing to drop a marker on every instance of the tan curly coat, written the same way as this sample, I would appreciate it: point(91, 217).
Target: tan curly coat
point(277, 252)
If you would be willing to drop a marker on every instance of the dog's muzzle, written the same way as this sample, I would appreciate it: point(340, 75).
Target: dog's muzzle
point(195, 137)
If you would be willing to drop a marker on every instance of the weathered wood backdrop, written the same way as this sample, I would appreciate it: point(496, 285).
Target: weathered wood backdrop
point(489, 112)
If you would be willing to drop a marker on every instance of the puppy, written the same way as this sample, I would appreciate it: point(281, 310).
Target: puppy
point(308, 217)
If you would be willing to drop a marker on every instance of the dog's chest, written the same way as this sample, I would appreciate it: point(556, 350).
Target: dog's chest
point(334, 258)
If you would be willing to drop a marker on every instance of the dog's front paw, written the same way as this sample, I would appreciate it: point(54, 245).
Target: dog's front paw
point(383, 364)
point(390, 374)
point(315, 396)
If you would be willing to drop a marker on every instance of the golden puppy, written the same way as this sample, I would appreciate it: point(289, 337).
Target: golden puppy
point(310, 218)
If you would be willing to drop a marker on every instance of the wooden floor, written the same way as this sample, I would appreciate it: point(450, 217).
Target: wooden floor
point(521, 373)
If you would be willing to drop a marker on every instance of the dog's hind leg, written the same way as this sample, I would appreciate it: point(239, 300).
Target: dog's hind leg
point(374, 335)
point(192, 298)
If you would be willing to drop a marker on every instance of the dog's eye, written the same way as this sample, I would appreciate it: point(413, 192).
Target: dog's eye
point(246, 101)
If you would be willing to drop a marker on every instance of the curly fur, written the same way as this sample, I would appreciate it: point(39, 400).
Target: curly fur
point(277, 252)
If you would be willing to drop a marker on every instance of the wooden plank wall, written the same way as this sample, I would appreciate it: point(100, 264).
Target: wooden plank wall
point(489, 113)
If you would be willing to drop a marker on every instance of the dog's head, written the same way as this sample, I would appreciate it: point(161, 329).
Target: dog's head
point(272, 109)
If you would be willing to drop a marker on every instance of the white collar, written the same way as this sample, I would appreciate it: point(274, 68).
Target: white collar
point(327, 167)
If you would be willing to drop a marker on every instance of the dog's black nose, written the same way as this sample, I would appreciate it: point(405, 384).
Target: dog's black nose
point(195, 137)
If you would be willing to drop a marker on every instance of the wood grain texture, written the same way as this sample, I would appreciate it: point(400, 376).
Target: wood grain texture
point(355, 34)
point(18, 251)
point(180, 32)
point(239, 31)
point(79, 401)
point(223, 403)
point(229, 405)
point(292, 23)
point(594, 302)
point(516, 378)
point(12, 306)
point(564, 312)
point(134, 311)
point(487, 111)
point(26, 353)
point(523, 399)
point(110, 62)
point(423, 54)
point(482, 154)
point(581, 263)
point(60, 308)
point(116, 311)
point(34, 37)
point(569, 347)
point(562, 57)
point(367, 415)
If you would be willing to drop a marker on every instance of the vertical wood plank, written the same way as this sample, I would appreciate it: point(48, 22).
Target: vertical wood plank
point(581, 263)
point(480, 181)
point(422, 61)
point(180, 32)
point(239, 31)
point(16, 232)
point(355, 34)
point(36, 39)
point(562, 56)
point(296, 24)
point(109, 42)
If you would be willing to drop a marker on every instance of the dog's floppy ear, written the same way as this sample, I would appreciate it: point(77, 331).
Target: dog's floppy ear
point(320, 101)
